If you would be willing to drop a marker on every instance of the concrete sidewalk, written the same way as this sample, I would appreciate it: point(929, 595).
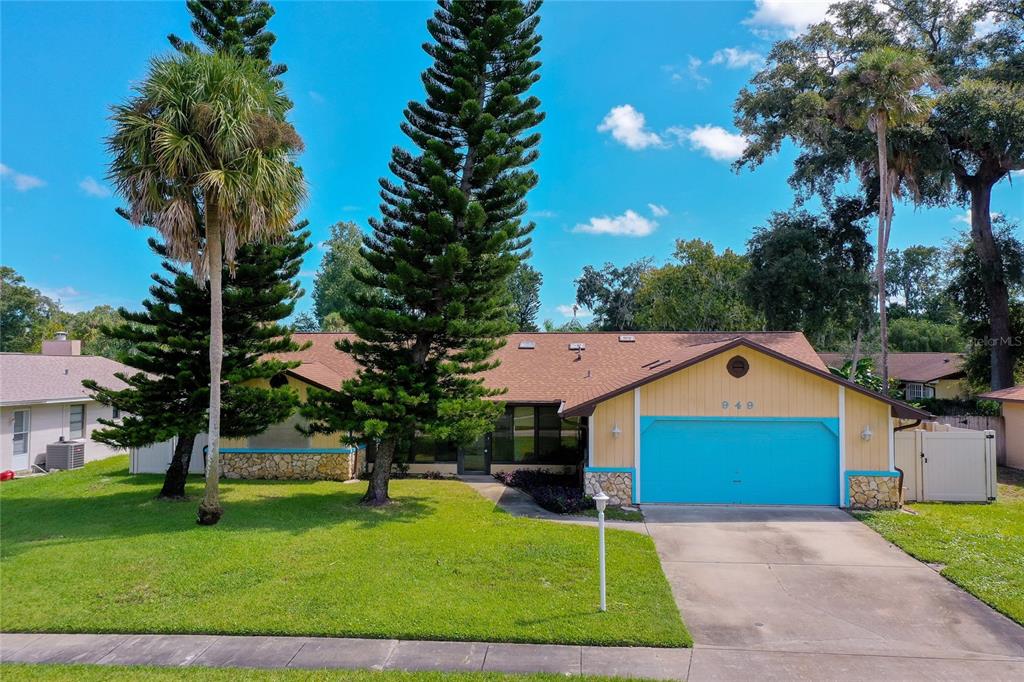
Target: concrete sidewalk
point(326, 652)
point(703, 663)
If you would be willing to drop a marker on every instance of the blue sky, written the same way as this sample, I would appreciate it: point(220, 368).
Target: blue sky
point(635, 153)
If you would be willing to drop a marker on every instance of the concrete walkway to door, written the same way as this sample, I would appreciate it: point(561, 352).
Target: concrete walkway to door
point(811, 593)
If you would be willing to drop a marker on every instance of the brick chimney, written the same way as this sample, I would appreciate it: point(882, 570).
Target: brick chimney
point(61, 345)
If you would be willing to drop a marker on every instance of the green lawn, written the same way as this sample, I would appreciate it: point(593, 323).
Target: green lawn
point(93, 551)
point(103, 673)
point(981, 545)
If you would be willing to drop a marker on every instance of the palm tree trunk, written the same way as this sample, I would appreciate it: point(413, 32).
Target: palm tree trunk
point(210, 510)
point(377, 492)
point(856, 354)
point(996, 294)
point(884, 222)
point(177, 472)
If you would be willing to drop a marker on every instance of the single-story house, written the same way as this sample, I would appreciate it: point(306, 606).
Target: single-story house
point(921, 375)
point(751, 418)
point(1013, 417)
point(42, 401)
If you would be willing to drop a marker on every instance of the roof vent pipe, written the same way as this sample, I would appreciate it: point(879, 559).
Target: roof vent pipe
point(60, 336)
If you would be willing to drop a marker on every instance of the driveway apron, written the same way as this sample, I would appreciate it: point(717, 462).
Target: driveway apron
point(816, 581)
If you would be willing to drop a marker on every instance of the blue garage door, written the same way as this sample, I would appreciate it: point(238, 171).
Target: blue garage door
point(739, 461)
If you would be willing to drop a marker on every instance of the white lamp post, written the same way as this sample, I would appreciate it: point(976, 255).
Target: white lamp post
point(601, 501)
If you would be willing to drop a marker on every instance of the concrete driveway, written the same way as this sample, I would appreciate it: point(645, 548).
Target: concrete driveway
point(812, 593)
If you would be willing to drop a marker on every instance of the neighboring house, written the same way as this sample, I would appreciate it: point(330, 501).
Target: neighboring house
point(42, 401)
point(921, 375)
point(1013, 417)
point(753, 418)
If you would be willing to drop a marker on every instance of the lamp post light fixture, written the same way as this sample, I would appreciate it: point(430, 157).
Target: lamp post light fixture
point(601, 501)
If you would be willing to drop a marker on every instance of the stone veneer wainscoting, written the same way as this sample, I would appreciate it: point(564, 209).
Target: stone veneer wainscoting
point(617, 485)
point(307, 466)
point(874, 492)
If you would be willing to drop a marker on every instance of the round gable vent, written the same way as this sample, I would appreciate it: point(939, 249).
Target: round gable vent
point(738, 366)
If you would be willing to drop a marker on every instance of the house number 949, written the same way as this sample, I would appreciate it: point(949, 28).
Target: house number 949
point(739, 405)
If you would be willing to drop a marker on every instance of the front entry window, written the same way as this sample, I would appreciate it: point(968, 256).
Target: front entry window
point(536, 434)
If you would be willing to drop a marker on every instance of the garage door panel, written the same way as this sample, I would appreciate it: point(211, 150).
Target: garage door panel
point(739, 461)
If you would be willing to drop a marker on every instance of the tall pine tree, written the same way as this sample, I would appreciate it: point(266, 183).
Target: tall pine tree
point(236, 26)
point(449, 237)
point(168, 397)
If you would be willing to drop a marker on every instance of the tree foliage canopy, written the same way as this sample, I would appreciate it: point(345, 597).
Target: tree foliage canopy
point(524, 285)
point(336, 287)
point(811, 273)
point(610, 292)
point(701, 291)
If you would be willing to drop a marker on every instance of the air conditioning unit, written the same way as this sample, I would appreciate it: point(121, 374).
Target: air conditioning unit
point(65, 454)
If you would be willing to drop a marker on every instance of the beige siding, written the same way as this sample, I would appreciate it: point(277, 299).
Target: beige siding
point(776, 389)
point(866, 455)
point(1013, 415)
point(611, 451)
point(320, 440)
point(950, 389)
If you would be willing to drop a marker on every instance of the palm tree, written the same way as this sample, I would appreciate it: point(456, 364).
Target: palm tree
point(202, 152)
point(883, 91)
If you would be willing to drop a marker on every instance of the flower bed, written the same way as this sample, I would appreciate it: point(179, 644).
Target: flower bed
point(560, 493)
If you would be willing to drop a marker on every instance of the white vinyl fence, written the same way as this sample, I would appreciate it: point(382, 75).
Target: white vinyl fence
point(947, 464)
point(155, 459)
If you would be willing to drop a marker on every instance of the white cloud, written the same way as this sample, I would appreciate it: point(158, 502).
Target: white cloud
point(542, 214)
point(316, 97)
point(22, 182)
point(691, 72)
point(628, 126)
point(715, 141)
point(657, 210)
point(629, 224)
point(737, 58)
point(573, 311)
point(93, 188)
point(965, 217)
point(788, 16)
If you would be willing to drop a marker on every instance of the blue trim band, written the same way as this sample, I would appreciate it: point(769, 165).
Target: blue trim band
point(290, 451)
point(617, 470)
point(880, 474)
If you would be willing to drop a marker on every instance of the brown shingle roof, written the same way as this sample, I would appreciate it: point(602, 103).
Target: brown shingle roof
point(1014, 394)
point(551, 373)
point(27, 378)
point(917, 367)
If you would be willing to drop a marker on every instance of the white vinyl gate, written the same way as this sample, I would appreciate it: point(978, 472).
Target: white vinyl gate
point(955, 465)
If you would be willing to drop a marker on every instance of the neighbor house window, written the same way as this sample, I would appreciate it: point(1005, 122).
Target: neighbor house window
point(21, 428)
point(535, 434)
point(76, 421)
point(919, 391)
